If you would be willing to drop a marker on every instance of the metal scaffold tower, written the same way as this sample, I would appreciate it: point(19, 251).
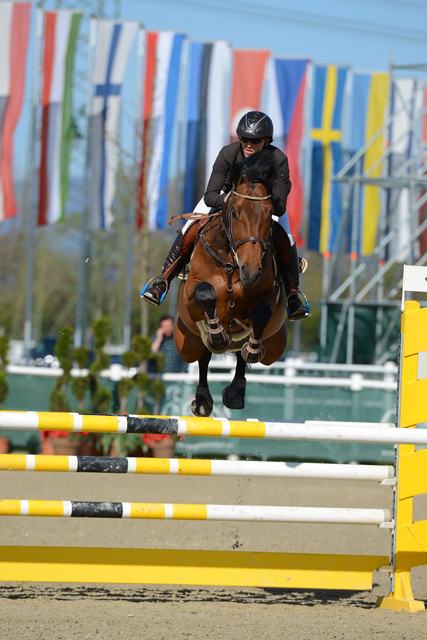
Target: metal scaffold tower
point(360, 295)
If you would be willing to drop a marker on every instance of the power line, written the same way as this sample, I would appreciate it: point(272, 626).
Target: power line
point(269, 13)
point(396, 4)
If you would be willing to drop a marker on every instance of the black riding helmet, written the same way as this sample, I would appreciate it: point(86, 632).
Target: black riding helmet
point(255, 124)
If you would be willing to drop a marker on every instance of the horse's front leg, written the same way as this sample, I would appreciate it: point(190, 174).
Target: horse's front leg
point(202, 404)
point(234, 396)
point(216, 336)
point(253, 350)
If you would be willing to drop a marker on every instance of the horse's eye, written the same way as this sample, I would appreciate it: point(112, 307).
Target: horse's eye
point(234, 214)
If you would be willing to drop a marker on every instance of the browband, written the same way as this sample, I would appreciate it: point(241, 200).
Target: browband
point(236, 193)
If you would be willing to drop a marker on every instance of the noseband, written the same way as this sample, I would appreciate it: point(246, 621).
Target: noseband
point(229, 228)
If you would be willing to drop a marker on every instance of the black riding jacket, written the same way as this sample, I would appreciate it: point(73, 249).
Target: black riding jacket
point(220, 179)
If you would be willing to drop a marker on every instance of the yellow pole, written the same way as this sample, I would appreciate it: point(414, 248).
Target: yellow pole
point(409, 544)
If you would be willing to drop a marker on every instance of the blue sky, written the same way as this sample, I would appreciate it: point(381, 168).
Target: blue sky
point(364, 34)
point(361, 33)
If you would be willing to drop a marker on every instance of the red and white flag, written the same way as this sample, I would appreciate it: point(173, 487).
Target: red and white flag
point(14, 34)
point(248, 78)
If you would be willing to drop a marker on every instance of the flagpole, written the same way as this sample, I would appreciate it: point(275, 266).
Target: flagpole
point(85, 233)
point(133, 206)
point(180, 144)
point(32, 215)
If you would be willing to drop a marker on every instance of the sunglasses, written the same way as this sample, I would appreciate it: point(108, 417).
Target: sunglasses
point(251, 140)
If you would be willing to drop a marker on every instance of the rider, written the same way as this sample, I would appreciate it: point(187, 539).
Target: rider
point(255, 131)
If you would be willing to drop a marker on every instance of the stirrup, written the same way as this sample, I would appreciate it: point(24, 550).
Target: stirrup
point(148, 285)
point(307, 306)
point(303, 265)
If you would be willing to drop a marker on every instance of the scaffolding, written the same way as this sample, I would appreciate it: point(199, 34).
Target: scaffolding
point(354, 283)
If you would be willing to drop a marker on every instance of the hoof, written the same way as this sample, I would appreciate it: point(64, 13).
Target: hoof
point(253, 351)
point(202, 404)
point(233, 397)
point(201, 410)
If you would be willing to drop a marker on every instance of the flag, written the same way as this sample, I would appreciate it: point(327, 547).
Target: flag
point(205, 113)
point(162, 80)
point(368, 112)
point(60, 38)
point(325, 210)
point(193, 116)
point(14, 35)
point(114, 41)
point(285, 106)
point(247, 83)
point(405, 105)
point(217, 99)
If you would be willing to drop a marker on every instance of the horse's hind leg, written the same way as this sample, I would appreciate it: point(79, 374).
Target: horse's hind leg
point(216, 335)
point(202, 404)
point(253, 350)
point(234, 396)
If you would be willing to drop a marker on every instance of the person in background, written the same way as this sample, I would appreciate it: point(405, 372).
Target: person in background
point(164, 343)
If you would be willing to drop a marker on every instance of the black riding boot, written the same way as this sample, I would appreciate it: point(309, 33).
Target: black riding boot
point(296, 309)
point(156, 289)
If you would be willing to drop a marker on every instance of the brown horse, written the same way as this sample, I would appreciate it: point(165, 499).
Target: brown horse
point(232, 299)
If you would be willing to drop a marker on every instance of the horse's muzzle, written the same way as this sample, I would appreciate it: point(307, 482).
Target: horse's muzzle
point(249, 277)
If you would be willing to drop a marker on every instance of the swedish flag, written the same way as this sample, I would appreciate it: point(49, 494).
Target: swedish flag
point(325, 210)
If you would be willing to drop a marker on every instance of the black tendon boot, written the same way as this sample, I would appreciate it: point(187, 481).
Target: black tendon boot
point(156, 289)
point(296, 309)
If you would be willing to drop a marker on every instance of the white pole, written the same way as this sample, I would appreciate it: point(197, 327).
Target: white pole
point(85, 233)
point(32, 213)
point(133, 206)
point(194, 467)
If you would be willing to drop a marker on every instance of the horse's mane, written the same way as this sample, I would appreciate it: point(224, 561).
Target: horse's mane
point(257, 168)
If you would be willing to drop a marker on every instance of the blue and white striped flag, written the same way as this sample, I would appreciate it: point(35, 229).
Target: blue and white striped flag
point(208, 93)
point(169, 47)
point(114, 41)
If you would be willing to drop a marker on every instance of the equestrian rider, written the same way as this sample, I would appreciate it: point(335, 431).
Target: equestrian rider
point(255, 132)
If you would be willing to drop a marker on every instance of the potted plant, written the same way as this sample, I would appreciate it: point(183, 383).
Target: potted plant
point(61, 442)
point(121, 445)
point(4, 389)
point(80, 385)
point(161, 445)
point(100, 395)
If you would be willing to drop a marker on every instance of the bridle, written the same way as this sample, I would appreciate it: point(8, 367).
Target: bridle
point(228, 229)
point(230, 266)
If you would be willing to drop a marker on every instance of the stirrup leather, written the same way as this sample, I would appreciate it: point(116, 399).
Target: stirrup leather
point(148, 285)
point(307, 306)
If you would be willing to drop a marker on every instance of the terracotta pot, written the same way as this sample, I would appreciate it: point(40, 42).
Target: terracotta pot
point(87, 448)
point(113, 453)
point(4, 445)
point(136, 453)
point(162, 448)
point(65, 446)
point(47, 446)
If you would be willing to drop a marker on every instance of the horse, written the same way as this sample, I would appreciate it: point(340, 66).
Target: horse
point(233, 299)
